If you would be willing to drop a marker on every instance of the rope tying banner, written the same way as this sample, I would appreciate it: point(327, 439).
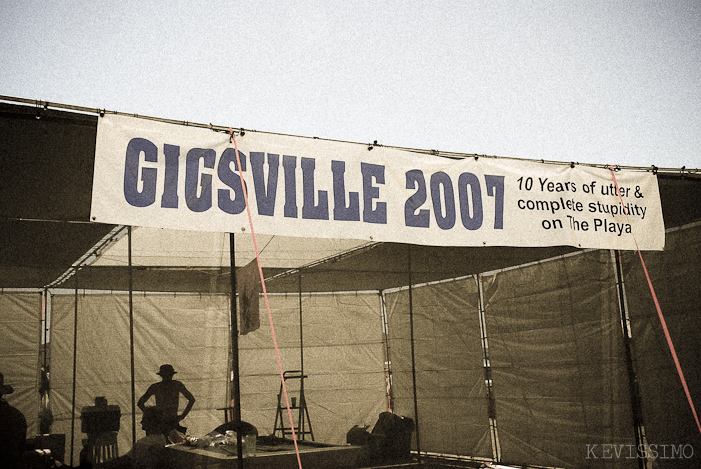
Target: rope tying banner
point(660, 315)
point(265, 295)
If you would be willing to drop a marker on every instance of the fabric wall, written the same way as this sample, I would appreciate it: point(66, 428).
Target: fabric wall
point(20, 323)
point(675, 275)
point(191, 332)
point(451, 391)
point(554, 337)
point(343, 359)
point(557, 362)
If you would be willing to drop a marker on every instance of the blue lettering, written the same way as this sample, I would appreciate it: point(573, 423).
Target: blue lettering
point(231, 178)
point(196, 183)
point(340, 211)
point(415, 180)
point(147, 195)
point(169, 199)
point(438, 180)
point(495, 188)
point(370, 192)
point(474, 221)
point(265, 196)
point(310, 210)
point(289, 165)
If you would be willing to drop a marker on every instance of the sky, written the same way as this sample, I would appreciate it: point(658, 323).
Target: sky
point(577, 81)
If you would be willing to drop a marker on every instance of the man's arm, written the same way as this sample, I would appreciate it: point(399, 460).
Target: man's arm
point(190, 401)
point(142, 400)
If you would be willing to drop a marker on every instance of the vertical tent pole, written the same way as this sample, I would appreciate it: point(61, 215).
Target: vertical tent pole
point(302, 404)
point(385, 341)
point(487, 364)
point(301, 335)
point(131, 340)
point(45, 386)
point(413, 360)
point(236, 390)
point(639, 428)
point(75, 359)
point(45, 331)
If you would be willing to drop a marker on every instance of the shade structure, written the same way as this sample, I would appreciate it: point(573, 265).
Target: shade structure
point(547, 316)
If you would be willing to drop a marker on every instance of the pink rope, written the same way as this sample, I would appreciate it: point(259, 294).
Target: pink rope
point(659, 313)
point(267, 302)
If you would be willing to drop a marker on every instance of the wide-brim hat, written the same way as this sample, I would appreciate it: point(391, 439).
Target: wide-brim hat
point(166, 370)
point(5, 388)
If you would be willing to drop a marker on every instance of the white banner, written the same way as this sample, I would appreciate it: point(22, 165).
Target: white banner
point(154, 174)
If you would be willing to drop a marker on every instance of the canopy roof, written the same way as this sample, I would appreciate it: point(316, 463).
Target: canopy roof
point(46, 176)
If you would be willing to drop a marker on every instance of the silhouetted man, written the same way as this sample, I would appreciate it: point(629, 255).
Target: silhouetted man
point(13, 430)
point(167, 394)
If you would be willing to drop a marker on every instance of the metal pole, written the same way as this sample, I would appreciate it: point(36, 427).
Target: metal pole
point(75, 360)
point(639, 428)
point(45, 331)
point(487, 365)
point(301, 335)
point(302, 403)
point(413, 360)
point(131, 340)
point(388, 361)
point(236, 390)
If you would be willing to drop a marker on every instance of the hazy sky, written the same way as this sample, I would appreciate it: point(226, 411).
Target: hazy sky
point(588, 81)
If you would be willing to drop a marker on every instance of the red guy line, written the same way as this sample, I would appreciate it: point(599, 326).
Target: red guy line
point(659, 312)
point(265, 295)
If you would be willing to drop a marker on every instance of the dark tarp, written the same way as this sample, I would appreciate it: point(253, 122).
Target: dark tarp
point(675, 275)
point(46, 169)
point(557, 360)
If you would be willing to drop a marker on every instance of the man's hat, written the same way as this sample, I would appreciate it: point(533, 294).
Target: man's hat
point(166, 370)
point(5, 388)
